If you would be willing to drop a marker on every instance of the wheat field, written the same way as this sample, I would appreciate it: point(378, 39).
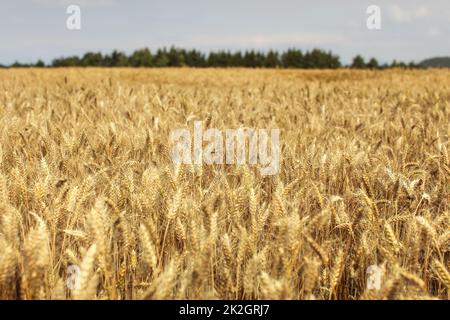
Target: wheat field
point(86, 180)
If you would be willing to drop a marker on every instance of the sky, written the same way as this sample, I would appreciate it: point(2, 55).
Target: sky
point(411, 30)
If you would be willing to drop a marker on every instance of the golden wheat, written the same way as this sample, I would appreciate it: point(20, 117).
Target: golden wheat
point(86, 179)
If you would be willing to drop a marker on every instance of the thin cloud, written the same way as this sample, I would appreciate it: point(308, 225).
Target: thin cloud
point(402, 15)
point(261, 41)
point(81, 3)
point(434, 32)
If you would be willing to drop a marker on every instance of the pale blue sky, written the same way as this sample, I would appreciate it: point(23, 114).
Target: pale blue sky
point(411, 29)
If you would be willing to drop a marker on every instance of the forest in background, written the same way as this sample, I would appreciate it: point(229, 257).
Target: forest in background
point(177, 57)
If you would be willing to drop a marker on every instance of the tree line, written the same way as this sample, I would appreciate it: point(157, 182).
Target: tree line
point(176, 57)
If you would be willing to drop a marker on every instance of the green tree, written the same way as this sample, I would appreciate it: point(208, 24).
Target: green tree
point(40, 64)
point(272, 59)
point(373, 64)
point(293, 58)
point(161, 58)
point(141, 58)
point(72, 61)
point(413, 65)
point(92, 59)
point(250, 59)
point(195, 59)
point(176, 57)
point(397, 64)
point(333, 61)
point(118, 59)
point(237, 60)
point(358, 62)
point(318, 59)
point(17, 64)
